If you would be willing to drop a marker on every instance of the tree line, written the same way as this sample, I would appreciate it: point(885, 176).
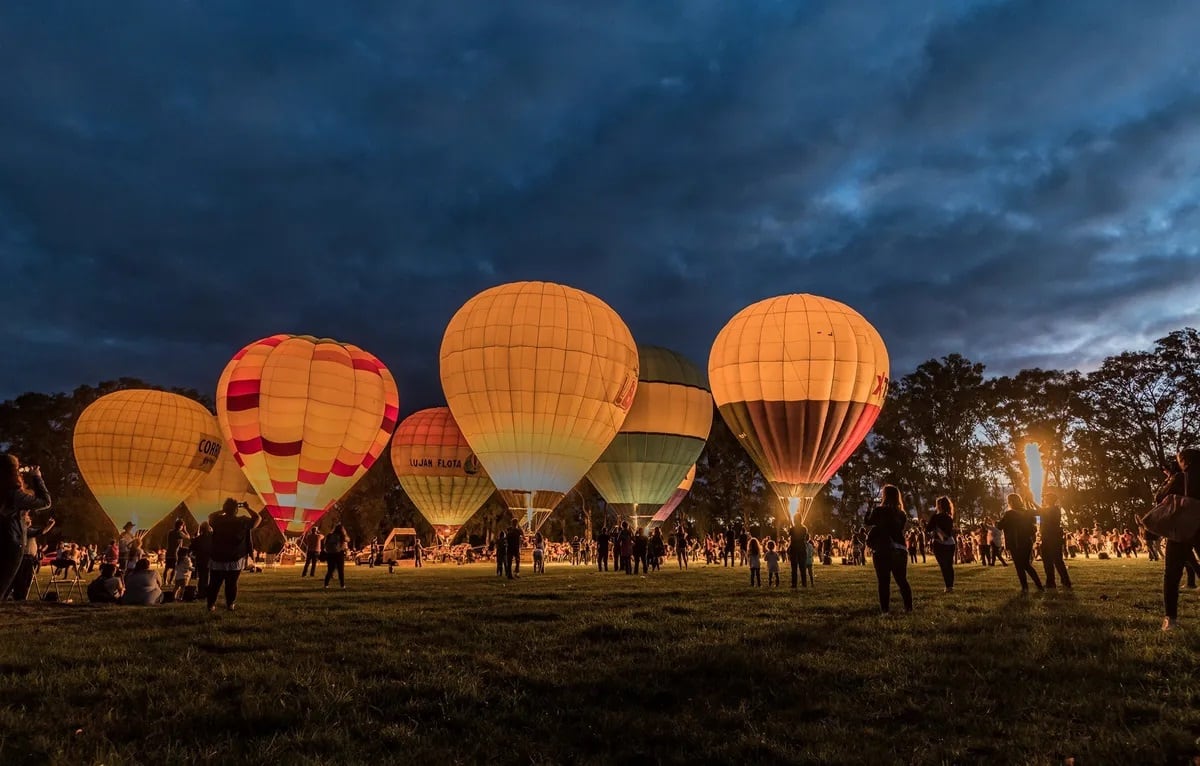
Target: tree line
point(946, 428)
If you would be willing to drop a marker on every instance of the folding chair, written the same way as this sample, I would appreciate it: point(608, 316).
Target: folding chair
point(69, 581)
point(36, 586)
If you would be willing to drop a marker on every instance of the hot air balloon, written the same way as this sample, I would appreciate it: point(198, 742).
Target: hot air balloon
point(539, 377)
point(663, 435)
point(142, 452)
point(225, 480)
point(438, 470)
point(800, 380)
point(677, 497)
point(305, 418)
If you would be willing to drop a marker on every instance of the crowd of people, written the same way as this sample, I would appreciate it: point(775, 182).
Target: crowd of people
point(890, 537)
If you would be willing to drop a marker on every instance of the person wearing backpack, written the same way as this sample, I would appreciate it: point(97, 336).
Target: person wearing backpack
point(15, 500)
point(230, 549)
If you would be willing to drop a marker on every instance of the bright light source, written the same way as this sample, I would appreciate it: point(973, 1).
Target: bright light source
point(1037, 475)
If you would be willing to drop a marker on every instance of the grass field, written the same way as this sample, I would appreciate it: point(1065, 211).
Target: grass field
point(452, 665)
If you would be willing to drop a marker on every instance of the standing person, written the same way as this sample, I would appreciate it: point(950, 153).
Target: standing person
point(127, 539)
point(730, 543)
point(515, 539)
point(889, 554)
point(625, 548)
point(639, 551)
point(1019, 530)
point(230, 548)
point(311, 542)
point(418, 553)
point(602, 540)
point(500, 547)
point(681, 545)
point(539, 554)
point(175, 540)
point(336, 544)
point(753, 557)
point(1052, 543)
point(912, 545)
point(772, 558)
point(1177, 553)
point(657, 549)
point(202, 557)
point(945, 541)
point(31, 561)
point(996, 542)
point(15, 500)
point(985, 548)
point(807, 569)
point(575, 551)
point(797, 542)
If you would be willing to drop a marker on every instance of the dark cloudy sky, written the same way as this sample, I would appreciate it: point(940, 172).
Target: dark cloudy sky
point(1017, 181)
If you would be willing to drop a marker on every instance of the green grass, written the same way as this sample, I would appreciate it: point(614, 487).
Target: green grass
point(451, 665)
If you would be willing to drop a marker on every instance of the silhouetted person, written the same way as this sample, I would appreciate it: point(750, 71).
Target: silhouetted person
point(230, 549)
point(513, 544)
point(889, 552)
point(797, 543)
point(944, 539)
point(1019, 530)
point(15, 500)
point(1052, 543)
point(312, 551)
point(336, 545)
point(1177, 553)
point(602, 540)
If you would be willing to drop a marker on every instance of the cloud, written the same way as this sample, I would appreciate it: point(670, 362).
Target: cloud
point(1010, 180)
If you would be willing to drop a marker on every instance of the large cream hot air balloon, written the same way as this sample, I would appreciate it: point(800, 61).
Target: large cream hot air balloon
point(305, 418)
point(800, 380)
point(142, 452)
point(225, 480)
point(539, 377)
point(677, 497)
point(663, 435)
point(438, 470)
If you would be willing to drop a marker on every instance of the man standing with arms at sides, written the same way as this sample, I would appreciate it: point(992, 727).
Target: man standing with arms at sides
point(312, 551)
point(797, 539)
point(1052, 543)
point(515, 537)
point(730, 542)
point(602, 550)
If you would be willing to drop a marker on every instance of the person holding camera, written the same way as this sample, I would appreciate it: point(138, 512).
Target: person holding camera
point(15, 500)
point(230, 549)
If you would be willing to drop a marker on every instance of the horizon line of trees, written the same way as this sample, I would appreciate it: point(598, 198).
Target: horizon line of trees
point(945, 429)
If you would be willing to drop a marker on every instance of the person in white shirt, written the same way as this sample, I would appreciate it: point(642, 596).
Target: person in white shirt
point(183, 572)
point(142, 586)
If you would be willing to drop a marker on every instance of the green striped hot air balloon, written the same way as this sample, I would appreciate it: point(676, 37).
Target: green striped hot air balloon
point(663, 435)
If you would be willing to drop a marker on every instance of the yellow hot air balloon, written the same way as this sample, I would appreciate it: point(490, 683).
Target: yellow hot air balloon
point(539, 377)
point(225, 480)
point(800, 380)
point(305, 419)
point(663, 435)
point(438, 470)
point(142, 452)
point(677, 497)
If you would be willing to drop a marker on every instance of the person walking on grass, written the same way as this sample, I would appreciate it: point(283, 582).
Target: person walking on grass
point(335, 546)
point(754, 559)
point(1020, 529)
point(772, 558)
point(1177, 553)
point(1052, 543)
point(230, 549)
point(945, 540)
point(889, 552)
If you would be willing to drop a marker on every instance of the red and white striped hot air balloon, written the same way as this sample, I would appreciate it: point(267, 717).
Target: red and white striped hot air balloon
point(305, 418)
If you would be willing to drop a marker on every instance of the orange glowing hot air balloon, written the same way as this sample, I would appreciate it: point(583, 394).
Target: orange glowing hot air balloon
point(438, 470)
point(305, 418)
point(539, 377)
point(142, 452)
point(800, 380)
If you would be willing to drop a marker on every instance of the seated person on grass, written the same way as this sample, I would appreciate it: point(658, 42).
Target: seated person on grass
point(107, 588)
point(142, 586)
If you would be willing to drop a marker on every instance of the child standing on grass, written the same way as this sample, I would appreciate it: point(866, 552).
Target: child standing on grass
point(183, 571)
point(753, 556)
point(772, 558)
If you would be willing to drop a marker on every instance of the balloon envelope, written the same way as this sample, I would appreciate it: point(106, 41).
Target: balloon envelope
point(438, 470)
point(661, 438)
point(677, 497)
point(142, 452)
point(225, 480)
point(539, 377)
point(305, 418)
point(800, 380)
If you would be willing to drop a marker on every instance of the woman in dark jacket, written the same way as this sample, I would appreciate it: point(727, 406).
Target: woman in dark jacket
point(15, 500)
point(1020, 530)
point(230, 549)
point(945, 542)
point(889, 553)
point(1177, 553)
